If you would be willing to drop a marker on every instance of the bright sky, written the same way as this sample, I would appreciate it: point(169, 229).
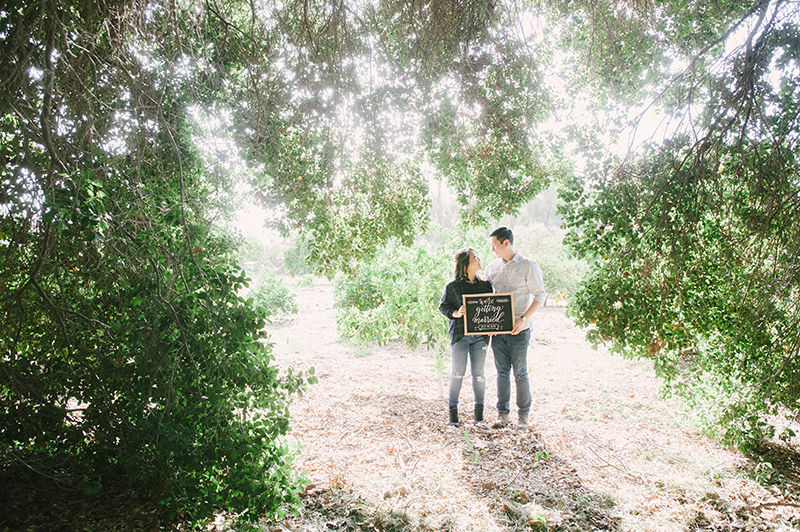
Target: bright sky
point(250, 221)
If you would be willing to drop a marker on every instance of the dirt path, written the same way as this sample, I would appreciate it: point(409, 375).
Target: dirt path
point(605, 453)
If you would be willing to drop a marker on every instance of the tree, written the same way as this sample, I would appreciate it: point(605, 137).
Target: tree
point(125, 349)
point(694, 241)
point(344, 105)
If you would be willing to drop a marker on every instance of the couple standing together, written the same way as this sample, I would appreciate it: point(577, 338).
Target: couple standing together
point(509, 273)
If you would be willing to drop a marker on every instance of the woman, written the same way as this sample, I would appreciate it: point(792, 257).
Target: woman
point(465, 281)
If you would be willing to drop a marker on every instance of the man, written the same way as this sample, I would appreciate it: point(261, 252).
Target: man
point(512, 273)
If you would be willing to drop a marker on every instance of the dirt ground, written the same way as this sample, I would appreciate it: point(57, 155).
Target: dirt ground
point(605, 451)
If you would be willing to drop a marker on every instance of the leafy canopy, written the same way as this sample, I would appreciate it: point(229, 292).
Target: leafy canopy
point(694, 240)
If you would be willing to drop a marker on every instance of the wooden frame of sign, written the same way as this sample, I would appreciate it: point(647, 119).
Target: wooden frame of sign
point(488, 313)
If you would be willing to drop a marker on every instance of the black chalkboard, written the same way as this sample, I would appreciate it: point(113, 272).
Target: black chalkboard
point(488, 313)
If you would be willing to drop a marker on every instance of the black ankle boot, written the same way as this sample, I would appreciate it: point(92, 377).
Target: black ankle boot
point(478, 414)
point(454, 416)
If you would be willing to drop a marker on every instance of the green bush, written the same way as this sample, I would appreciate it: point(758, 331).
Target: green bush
point(161, 378)
point(706, 288)
point(295, 258)
point(562, 272)
point(272, 297)
point(562, 277)
point(128, 354)
point(357, 290)
point(396, 296)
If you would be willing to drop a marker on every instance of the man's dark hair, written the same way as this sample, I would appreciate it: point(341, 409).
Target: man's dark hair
point(502, 234)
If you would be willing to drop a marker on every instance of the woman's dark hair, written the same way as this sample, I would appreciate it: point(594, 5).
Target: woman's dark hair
point(462, 261)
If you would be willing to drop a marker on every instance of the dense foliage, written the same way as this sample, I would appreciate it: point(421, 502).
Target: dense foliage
point(395, 296)
point(349, 107)
point(125, 350)
point(271, 296)
point(694, 241)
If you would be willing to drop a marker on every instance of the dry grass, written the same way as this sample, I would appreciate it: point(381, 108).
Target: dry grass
point(605, 453)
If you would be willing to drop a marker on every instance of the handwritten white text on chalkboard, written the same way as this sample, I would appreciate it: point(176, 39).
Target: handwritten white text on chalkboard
point(488, 312)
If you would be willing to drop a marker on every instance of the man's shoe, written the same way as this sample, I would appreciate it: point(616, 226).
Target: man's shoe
point(454, 416)
point(523, 423)
point(502, 420)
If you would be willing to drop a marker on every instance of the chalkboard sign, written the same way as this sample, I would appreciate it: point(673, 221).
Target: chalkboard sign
point(488, 313)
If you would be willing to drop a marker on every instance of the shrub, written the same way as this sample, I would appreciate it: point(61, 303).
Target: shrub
point(562, 272)
point(396, 296)
point(295, 258)
point(158, 373)
point(272, 297)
